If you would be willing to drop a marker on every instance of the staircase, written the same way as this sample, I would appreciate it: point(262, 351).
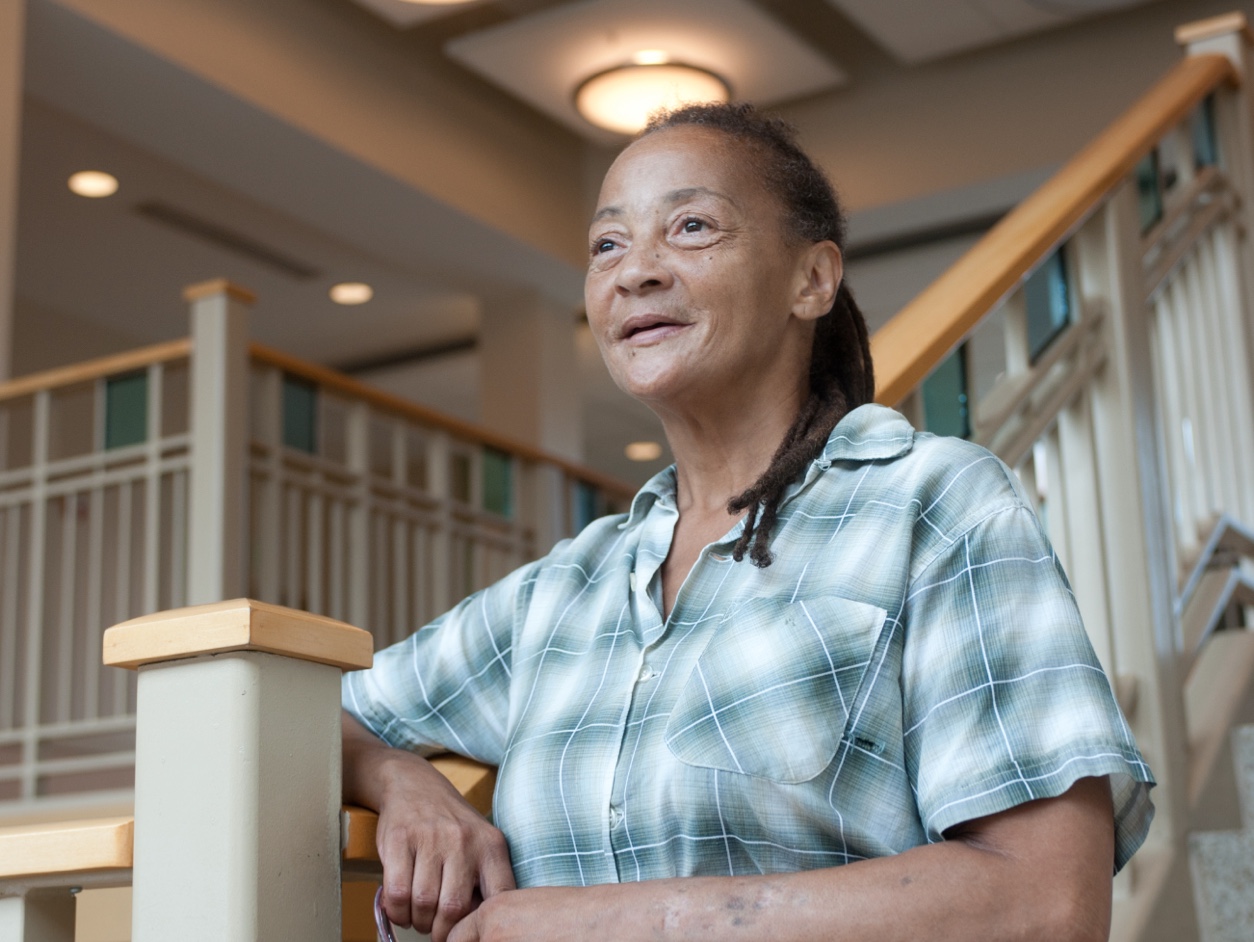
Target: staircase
point(1223, 860)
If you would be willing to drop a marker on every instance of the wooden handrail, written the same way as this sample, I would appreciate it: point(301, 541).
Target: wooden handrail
point(924, 332)
point(95, 369)
point(333, 379)
point(69, 847)
point(95, 845)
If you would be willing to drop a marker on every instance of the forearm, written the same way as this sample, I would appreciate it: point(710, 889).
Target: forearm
point(941, 892)
point(1040, 871)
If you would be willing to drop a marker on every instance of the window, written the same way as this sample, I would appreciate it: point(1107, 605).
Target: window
point(1149, 190)
point(498, 492)
point(126, 410)
point(300, 414)
point(946, 409)
point(1047, 296)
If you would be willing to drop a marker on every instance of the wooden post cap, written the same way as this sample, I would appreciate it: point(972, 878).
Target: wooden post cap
point(207, 289)
point(237, 625)
point(1199, 30)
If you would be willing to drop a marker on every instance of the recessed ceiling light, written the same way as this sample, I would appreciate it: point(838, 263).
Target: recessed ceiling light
point(643, 451)
point(623, 98)
point(93, 183)
point(351, 292)
point(435, 3)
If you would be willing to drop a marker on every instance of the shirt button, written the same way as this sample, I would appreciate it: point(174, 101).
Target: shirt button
point(616, 817)
point(647, 673)
point(631, 580)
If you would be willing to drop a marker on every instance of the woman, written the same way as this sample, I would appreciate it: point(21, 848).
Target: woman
point(692, 745)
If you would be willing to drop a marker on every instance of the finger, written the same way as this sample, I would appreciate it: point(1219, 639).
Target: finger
point(424, 895)
point(496, 874)
point(398, 878)
point(466, 931)
point(457, 887)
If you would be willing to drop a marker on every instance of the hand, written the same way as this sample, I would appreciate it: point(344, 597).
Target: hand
point(440, 857)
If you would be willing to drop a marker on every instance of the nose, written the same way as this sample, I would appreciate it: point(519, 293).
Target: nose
point(643, 269)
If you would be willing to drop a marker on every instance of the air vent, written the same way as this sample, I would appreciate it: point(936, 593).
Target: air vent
point(224, 238)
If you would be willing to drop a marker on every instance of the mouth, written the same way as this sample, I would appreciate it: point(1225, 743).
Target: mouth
point(648, 328)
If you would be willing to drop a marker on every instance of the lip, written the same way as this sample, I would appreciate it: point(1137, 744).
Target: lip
point(643, 329)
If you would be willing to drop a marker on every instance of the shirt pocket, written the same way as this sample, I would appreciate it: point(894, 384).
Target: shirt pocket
point(770, 695)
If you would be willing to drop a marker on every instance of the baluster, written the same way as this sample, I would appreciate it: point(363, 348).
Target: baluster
point(35, 578)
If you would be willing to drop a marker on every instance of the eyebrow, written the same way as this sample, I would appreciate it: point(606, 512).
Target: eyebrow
point(673, 197)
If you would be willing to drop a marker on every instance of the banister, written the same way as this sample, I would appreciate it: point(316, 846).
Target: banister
point(102, 846)
point(910, 345)
point(97, 368)
point(333, 379)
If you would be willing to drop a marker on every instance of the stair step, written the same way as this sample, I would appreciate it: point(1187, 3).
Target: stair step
point(1223, 861)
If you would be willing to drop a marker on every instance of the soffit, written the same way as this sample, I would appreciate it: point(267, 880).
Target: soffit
point(916, 32)
point(541, 58)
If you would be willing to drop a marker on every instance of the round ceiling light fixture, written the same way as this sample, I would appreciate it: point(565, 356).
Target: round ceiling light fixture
point(621, 99)
point(351, 292)
point(643, 451)
point(94, 184)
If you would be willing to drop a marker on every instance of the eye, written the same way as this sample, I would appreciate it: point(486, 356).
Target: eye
point(601, 246)
point(693, 225)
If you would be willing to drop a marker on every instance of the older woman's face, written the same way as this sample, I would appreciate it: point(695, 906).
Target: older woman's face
point(692, 282)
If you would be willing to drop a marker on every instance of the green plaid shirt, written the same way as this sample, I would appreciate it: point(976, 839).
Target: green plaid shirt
point(912, 659)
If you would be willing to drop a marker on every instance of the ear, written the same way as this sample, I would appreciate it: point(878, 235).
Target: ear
point(819, 272)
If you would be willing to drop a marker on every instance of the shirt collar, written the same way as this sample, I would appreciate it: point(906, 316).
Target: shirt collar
point(868, 433)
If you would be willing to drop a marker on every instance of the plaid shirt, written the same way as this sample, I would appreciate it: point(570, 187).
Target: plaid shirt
point(912, 659)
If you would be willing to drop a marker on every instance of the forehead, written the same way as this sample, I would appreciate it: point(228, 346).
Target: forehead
point(682, 158)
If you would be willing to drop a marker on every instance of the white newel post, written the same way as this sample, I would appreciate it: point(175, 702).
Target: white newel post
point(219, 425)
point(237, 771)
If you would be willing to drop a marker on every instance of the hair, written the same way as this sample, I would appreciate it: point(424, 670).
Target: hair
point(841, 374)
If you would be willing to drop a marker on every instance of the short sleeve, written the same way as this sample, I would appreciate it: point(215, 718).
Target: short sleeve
point(446, 687)
point(1004, 699)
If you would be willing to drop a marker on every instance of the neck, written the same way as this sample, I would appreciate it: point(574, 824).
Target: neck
point(720, 453)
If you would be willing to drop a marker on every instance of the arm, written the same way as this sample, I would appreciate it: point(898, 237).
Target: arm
point(1039, 871)
point(439, 855)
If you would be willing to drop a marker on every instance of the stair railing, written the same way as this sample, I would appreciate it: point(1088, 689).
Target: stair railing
point(1098, 340)
point(210, 468)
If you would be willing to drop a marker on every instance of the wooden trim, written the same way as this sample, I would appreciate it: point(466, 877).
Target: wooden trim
point(95, 369)
point(910, 345)
point(94, 844)
point(1201, 30)
point(475, 781)
point(237, 625)
point(207, 289)
point(332, 379)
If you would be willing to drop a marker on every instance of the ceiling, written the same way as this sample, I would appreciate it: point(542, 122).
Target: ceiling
point(214, 186)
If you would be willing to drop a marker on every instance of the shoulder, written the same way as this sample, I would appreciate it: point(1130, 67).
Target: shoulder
point(944, 487)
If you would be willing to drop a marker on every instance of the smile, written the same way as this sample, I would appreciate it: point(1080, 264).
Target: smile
point(644, 329)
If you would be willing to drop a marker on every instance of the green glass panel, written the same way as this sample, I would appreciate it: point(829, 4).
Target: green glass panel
point(300, 414)
point(1149, 190)
point(126, 410)
point(498, 491)
point(459, 477)
point(1048, 299)
point(585, 508)
point(1205, 142)
point(946, 410)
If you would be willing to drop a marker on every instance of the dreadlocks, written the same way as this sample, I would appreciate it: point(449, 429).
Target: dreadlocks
point(841, 375)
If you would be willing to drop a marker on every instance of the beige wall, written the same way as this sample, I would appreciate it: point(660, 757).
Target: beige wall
point(903, 134)
point(44, 338)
